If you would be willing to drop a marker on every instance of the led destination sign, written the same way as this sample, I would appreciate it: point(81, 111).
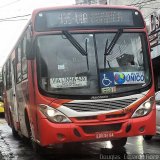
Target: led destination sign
point(88, 17)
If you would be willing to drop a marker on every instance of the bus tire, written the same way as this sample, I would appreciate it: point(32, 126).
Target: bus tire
point(147, 137)
point(35, 146)
point(118, 143)
point(14, 132)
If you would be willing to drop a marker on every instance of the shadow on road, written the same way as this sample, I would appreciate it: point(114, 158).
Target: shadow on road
point(83, 152)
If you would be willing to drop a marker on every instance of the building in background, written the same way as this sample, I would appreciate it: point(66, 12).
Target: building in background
point(154, 37)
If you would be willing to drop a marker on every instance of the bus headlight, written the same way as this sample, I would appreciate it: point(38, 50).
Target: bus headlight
point(53, 115)
point(144, 109)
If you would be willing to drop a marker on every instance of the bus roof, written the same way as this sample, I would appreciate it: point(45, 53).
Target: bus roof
point(84, 6)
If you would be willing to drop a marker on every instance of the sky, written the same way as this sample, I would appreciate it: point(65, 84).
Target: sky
point(10, 29)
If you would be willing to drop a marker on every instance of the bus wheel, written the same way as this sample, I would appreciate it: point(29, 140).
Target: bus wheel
point(36, 147)
point(15, 133)
point(119, 142)
point(147, 137)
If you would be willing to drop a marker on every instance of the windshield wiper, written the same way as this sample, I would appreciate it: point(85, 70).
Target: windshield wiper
point(109, 48)
point(77, 45)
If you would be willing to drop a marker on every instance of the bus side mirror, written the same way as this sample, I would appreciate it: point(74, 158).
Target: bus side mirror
point(157, 96)
point(30, 54)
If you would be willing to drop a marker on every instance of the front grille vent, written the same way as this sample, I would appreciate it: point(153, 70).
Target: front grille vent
point(102, 128)
point(100, 105)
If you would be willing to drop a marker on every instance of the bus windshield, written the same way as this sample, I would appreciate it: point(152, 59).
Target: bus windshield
point(92, 63)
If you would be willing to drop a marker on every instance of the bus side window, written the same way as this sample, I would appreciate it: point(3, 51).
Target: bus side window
point(21, 59)
point(8, 75)
point(24, 60)
point(18, 64)
point(4, 75)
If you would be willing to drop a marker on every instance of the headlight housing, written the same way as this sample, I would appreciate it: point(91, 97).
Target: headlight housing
point(53, 115)
point(144, 109)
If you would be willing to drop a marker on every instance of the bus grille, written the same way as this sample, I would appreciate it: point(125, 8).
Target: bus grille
point(100, 105)
point(102, 128)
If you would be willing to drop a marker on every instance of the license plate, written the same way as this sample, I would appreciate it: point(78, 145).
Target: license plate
point(104, 135)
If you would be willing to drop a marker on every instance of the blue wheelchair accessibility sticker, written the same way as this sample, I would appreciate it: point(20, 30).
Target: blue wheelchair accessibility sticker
point(106, 79)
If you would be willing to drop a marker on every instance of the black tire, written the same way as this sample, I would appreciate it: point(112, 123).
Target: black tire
point(147, 137)
point(35, 146)
point(15, 133)
point(118, 143)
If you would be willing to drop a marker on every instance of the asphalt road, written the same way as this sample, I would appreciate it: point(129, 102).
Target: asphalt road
point(136, 148)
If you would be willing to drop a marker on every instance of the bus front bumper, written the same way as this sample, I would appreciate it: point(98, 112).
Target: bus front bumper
point(52, 133)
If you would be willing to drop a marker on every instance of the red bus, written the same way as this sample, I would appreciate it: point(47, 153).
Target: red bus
point(81, 73)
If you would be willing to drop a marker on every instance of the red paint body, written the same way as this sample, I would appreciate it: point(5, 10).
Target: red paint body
point(46, 133)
